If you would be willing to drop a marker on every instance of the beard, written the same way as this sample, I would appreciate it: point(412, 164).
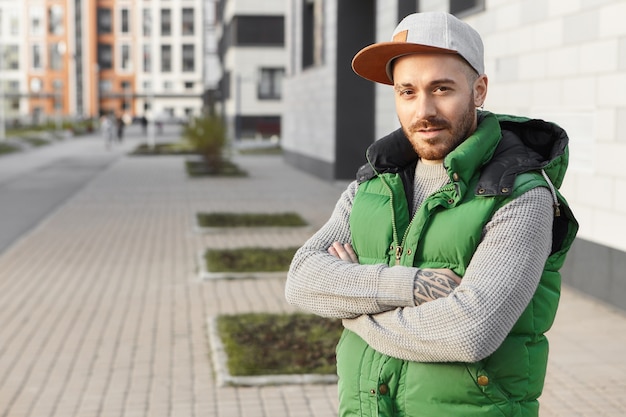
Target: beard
point(437, 148)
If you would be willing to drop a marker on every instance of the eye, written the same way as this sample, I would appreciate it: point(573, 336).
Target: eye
point(442, 89)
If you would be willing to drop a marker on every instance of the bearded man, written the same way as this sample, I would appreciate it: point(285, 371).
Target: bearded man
point(443, 256)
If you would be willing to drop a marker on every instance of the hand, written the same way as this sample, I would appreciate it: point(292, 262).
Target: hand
point(431, 284)
point(343, 252)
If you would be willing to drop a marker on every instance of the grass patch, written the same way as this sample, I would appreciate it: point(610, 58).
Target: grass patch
point(170, 148)
point(34, 141)
point(200, 168)
point(249, 259)
point(270, 150)
point(8, 148)
point(277, 344)
point(222, 219)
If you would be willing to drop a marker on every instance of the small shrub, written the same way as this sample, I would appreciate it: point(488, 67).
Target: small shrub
point(279, 344)
point(249, 259)
point(207, 136)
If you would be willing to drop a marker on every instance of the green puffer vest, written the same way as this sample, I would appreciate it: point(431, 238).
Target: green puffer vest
point(499, 162)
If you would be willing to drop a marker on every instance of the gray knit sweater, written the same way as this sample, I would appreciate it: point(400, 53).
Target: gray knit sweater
point(377, 303)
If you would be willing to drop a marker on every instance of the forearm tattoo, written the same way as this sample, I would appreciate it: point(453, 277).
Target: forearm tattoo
point(430, 285)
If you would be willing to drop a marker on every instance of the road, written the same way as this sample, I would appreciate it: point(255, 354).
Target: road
point(34, 183)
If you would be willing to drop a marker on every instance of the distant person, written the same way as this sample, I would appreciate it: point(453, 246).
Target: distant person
point(120, 129)
point(144, 124)
point(106, 129)
point(443, 256)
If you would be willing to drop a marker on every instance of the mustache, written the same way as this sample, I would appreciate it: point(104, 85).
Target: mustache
point(431, 123)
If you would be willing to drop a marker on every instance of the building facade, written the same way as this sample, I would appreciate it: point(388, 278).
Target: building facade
point(558, 60)
point(83, 58)
point(252, 54)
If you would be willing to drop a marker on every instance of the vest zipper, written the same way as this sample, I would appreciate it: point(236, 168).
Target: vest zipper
point(398, 254)
point(394, 229)
point(400, 248)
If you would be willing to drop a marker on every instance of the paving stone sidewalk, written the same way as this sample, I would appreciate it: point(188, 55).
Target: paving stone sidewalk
point(103, 313)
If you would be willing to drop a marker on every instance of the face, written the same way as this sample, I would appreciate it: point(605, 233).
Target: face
point(436, 97)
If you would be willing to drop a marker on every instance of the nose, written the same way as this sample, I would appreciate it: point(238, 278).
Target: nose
point(424, 107)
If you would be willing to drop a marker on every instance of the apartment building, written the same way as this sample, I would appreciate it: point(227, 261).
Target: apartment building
point(252, 53)
point(83, 58)
point(558, 60)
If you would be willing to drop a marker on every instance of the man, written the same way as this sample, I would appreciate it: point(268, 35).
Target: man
point(442, 258)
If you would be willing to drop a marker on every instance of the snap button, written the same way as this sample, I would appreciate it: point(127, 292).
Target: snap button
point(481, 191)
point(505, 190)
point(483, 380)
point(451, 201)
point(373, 391)
point(409, 251)
point(455, 176)
point(383, 389)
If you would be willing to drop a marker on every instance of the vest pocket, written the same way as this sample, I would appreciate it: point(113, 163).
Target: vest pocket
point(490, 389)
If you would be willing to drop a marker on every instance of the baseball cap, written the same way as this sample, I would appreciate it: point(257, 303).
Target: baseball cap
point(428, 32)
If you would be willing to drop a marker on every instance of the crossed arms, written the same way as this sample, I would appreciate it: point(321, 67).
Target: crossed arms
point(427, 315)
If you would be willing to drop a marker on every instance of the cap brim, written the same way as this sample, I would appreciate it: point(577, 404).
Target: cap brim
point(371, 61)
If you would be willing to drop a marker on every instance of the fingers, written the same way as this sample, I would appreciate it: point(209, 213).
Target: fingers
point(345, 252)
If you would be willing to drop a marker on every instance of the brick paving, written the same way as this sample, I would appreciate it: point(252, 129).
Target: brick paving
point(103, 312)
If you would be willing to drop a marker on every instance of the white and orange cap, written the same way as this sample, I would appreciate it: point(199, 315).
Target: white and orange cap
point(421, 33)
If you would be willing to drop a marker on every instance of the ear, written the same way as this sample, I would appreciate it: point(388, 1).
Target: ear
point(480, 90)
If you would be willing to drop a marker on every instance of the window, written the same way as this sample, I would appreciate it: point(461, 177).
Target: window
point(257, 30)
point(105, 86)
point(37, 56)
point(312, 33)
point(166, 22)
point(270, 83)
point(36, 21)
point(14, 22)
point(187, 26)
point(57, 87)
point(55, 20)
point(188, 58)
point(104, 20)
point(105, 56)
point(125, 21)
point(10, 57)
point(188, 85)
point(36, 85)
point(462, 8)
point(147, 59)
point(147, 22)
point(168, 86)
point(166, 58)
point(55, 60)
point(125, 58)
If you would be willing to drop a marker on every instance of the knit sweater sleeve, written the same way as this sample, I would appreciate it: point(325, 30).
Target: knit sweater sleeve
point(322, 284)
point(474, 319)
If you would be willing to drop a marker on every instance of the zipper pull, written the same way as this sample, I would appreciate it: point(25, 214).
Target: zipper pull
point(398, 254)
